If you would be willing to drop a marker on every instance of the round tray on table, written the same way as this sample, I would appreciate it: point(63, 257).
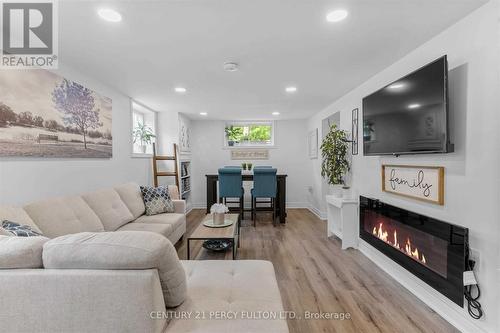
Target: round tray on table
point(210, 223)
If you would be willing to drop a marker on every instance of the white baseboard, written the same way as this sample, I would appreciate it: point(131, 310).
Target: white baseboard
point(439, 303)
point(304, 205)
point(199, 206)
point(288, 205)
point(321, 215)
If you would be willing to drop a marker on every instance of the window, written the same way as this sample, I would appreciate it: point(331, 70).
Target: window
point(143, 130)
point(249, 134)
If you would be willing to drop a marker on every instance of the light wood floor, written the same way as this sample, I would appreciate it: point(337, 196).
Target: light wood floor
point(315, 275)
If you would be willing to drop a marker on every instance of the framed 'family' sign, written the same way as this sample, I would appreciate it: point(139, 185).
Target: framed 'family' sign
point(419, 182)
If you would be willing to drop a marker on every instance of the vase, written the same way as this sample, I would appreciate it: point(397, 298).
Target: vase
point(218, 218)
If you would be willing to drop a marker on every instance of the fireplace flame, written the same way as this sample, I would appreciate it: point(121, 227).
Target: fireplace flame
point(408, 247)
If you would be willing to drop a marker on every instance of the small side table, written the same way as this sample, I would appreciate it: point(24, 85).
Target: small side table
point(230, 233)
point(343, 220)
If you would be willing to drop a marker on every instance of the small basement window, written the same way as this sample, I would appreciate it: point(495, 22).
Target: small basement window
point(249, 134)
point(143, 130)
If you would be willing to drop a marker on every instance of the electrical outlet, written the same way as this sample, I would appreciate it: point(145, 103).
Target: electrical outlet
point(475, 255)
point(469, 278)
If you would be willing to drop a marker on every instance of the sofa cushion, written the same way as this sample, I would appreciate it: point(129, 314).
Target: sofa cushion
point(173, 191)
point(21, 252)
point(17, 229)
point(4, 232)
point(120, 250)
point(173, 219)
point(227, 286)
point(18, 215)
point(179, 206)
point(157, 200)
point(131, 195)
point(159, 228)
point(109, 207)
point(62, 216)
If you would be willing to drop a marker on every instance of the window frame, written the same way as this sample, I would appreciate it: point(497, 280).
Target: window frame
point(136, 107)
point(272, 144)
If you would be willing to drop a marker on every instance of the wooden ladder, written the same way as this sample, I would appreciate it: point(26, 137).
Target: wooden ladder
point(157, 173)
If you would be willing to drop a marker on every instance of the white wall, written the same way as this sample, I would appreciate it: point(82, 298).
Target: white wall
point(472, 182)
point(289, 157)
point(27, 179)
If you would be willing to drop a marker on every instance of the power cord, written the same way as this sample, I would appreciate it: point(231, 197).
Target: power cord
point(473, 305)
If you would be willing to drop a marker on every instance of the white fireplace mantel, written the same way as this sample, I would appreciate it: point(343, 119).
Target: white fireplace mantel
point(343, 220)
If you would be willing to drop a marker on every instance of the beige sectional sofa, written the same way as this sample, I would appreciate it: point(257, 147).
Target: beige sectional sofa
point(107, 298)
point(112, 209)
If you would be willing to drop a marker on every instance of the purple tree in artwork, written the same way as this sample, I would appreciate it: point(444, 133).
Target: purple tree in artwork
point(76, 103)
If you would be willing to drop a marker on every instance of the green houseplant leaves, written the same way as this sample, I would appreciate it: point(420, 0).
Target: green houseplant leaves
point(334, 151)
point(143, 134)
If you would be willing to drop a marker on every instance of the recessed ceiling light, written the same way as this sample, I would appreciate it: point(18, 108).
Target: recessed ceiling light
point(203, 114)
point(109, 15)
point(231, 67)
point(395, 86)
point(275, 113)
point(414, 106)
point(291, 89)
point(180, 90)
point(337, 15)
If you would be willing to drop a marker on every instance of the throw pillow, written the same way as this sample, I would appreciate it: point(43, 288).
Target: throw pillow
point(19, 230)
point(157, 200)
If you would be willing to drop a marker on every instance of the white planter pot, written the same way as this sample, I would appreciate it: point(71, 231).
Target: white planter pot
point(347, 193)
point(335, 190)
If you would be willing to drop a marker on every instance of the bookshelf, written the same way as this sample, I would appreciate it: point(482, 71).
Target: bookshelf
point(185, 185)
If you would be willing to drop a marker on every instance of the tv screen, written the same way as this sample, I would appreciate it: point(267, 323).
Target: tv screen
point(410, 115)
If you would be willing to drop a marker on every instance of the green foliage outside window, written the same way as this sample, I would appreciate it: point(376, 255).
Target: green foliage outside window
point(234, 133)
point(249, 133)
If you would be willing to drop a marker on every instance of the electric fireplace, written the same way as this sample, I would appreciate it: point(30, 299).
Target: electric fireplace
point(433, 250)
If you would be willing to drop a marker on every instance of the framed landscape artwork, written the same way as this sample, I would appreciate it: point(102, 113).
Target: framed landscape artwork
point(45, 115)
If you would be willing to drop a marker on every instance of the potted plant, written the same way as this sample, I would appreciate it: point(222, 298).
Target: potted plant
point(249, 166)
point(144, 135)
point(243, 166)
point(334, 152)
point(233, 134)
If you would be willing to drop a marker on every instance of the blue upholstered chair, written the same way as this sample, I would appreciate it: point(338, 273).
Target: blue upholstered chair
point(264, 186)
point(231, 186)
point(262, 167)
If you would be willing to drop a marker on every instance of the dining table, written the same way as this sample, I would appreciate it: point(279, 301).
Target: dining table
point(212, 180)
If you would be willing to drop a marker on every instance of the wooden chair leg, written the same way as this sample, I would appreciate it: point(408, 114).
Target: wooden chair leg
point(242, 206)
point(273, 203)
point(251, 210)
point(254, 212)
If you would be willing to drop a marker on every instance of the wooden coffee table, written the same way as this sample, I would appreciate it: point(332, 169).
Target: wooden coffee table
point(231, 233)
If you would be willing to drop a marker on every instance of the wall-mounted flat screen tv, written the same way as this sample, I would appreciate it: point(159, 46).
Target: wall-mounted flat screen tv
point(410, 115)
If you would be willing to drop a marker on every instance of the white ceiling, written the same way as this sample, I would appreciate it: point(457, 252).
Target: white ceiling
point(163, 44)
